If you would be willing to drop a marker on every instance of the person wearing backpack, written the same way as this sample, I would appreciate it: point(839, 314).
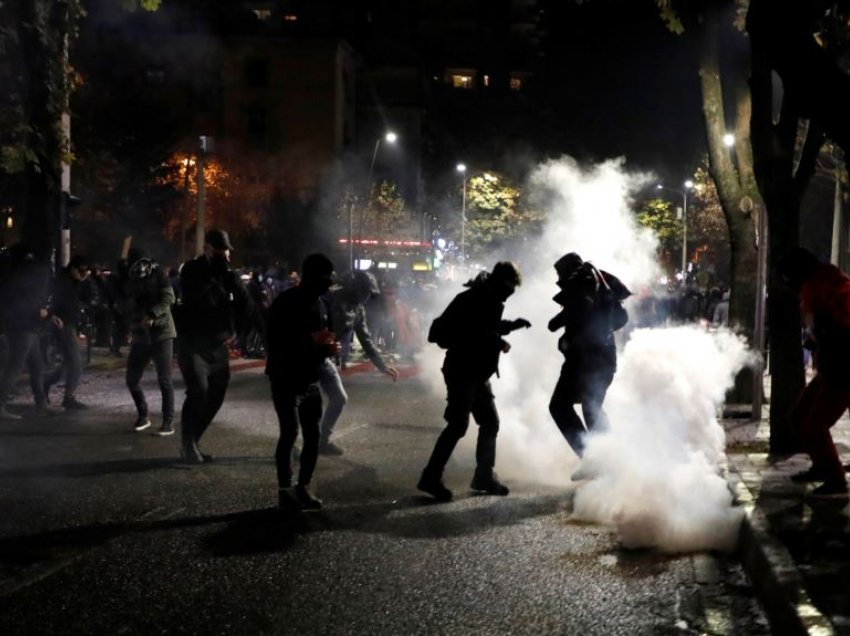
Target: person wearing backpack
point(591, 311)
point(471, 329)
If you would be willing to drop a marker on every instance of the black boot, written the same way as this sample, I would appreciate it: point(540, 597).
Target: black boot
point(485, 480)
point(433, 485)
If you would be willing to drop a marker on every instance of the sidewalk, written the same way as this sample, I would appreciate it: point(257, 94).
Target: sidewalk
point(796, 550)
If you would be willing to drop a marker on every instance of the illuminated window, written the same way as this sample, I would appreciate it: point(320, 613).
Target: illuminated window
point(462, 81)
point(263, 14)
point(515, 84)
point(486, 80)
point(290, 17)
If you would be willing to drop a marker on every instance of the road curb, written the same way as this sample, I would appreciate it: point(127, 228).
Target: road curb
point(773, 573)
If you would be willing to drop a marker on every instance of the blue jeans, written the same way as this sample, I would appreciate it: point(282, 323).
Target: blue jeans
point(161, 352)
point(331, 384)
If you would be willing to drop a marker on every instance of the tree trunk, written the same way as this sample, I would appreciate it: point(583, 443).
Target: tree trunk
point(734, 186)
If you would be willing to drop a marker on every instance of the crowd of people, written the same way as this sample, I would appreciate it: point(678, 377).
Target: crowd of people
point(304, 325)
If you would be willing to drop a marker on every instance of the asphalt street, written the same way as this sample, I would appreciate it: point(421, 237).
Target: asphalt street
point(103, 531)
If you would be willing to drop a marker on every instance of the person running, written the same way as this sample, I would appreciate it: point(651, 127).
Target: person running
point(471, 330)
point(591, 311)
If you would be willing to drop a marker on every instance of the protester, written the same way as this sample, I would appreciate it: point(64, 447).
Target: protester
point(348, 318)
point(214, 304)
point(300, 341)
point(66, 304)
point(146, 297)
point(825, 305)
point(23, 309)
point(591, 311)
point(471, 330)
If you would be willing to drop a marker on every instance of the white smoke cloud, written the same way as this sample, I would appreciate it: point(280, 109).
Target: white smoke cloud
point(656, 468)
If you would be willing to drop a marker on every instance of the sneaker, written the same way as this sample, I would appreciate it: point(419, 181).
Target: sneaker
point(165, 430)
point(142, 422)
point(434, 487)
point(489, 483)
point(329, 448)
point(73, 404)
point(307, 501)
point(6, 415)
point(812, 474)
point(286, 503)
point(830, 490)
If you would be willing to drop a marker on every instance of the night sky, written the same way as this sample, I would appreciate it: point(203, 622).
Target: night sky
point(621, 84)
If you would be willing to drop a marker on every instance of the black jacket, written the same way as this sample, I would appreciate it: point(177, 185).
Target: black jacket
point(214, 303)
point(148, 297)
point(23, 296)
point(471, 329)
point(66, 302)
point(292, 356)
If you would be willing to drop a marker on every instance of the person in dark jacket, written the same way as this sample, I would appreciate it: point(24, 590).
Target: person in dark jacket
point(67, 305)
point(591, 311)
point(214, 304)
point(825, 306)
point(145, 299)
point(300, 339)
point(24, 309)
point(471, 329)
point(349, 318)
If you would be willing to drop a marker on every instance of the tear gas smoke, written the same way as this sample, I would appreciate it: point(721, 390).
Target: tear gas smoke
point(656, 468)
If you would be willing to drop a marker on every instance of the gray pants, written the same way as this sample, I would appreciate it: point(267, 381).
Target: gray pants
point(23, 350)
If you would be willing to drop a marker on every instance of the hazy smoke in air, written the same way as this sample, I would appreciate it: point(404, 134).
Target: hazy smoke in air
point(665, 393)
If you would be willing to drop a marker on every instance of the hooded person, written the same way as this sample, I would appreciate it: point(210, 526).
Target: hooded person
point(825, 307)
point(144, 299)
point(348, 315)
point(591, 311)
point(300, 340)
point(214, 302)
point(471, 329)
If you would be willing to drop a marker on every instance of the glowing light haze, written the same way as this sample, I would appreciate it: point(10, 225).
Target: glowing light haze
point(656, 469)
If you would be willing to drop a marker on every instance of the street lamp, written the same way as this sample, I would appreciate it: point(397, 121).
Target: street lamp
point(461, 168)
point(728, 140)
point(390, 137)
point(684, 194)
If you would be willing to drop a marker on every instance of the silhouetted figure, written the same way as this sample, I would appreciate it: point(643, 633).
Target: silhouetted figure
point(471, 329)
point(825, 304)
point(591, 311)
point(349, 318)
point(24, 312)
point(67, 304)
point(300, 341)
point(145, 297)
point(214, 304)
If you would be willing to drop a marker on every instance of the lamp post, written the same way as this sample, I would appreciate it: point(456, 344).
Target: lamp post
point(390, 137)
point(461, 168)
point(684, 194)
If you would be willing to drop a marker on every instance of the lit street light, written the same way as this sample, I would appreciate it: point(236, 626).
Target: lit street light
point(684, 194)
point(390, 137)
point(461, 168)
point(728, 140)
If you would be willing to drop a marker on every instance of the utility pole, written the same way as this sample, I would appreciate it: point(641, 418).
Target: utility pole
point(203, 147)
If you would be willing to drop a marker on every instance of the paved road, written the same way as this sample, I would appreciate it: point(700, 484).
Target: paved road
point(103, 532)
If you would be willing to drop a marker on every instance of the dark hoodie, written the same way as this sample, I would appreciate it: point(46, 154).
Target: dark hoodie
point(471, 329)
